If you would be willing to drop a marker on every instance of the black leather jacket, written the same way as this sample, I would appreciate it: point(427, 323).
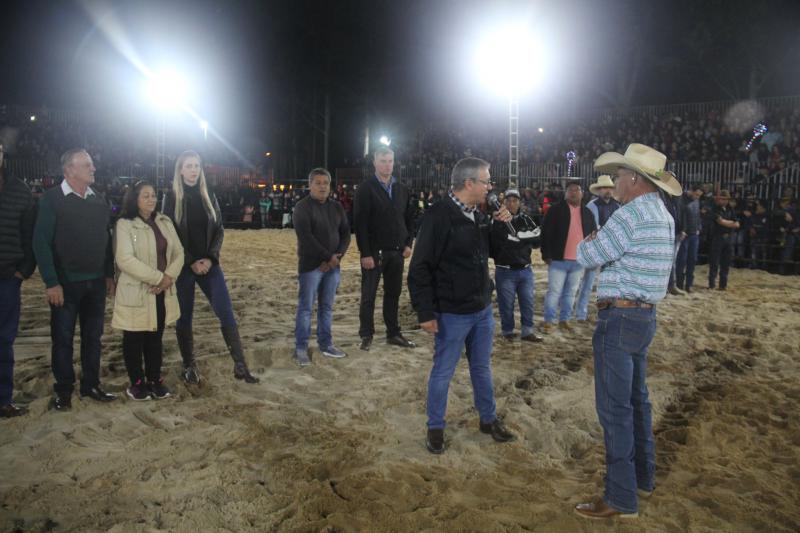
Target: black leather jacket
point(214, 232)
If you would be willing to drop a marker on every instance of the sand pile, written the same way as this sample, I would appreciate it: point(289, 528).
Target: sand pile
point(339, 445)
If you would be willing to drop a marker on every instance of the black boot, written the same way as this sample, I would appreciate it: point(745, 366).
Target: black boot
point(186, 346)
point(234, 342)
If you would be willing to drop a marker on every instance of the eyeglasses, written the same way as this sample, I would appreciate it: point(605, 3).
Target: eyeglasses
point(486, 183)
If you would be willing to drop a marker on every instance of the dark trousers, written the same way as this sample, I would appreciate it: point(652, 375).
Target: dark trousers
point(720, 260)
point(147, 344)
point(9, 323)
point(687, 258)
point(213, 286)
point(389, 264)
point(84, 301)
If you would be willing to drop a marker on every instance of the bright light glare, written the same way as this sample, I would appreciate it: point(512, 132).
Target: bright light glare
point(508, 60)
point(167, 89)
point(541, 130)
point(385, 140)
point(203, 124)
point(33, 118)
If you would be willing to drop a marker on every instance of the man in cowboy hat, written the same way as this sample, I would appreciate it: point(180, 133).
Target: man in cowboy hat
point(724, 223)
point(601, 207)
point(634, 249)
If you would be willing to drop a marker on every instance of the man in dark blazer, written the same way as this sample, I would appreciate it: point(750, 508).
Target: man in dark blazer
point(383, 218)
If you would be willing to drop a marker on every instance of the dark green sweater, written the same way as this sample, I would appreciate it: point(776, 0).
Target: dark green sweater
point(71, 239)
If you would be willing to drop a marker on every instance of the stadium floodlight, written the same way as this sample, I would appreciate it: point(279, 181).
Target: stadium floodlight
point(507, 60)
point(386, 141)
point(507, 63)
point(167, 89)
point(204, 127)
point(541, 130)
point(33, 118)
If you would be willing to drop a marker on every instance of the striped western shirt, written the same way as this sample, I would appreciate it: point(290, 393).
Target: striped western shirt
point(635, 250)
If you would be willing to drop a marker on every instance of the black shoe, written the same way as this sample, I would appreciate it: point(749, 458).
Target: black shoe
point(533, 337)
point(240, 371)
point(190, 375)
point(158, 389)
point(497, 430)
point(399, 340)
point(61, 402)
point(435, 441)
point(11, 410)
point(98, 394)
point(366, 342)
point(688, 290)
point(508, 336)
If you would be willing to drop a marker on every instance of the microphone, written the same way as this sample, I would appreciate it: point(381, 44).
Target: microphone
point(492, 200)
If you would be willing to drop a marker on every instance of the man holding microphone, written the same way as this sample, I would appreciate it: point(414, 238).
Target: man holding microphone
point(451, 291)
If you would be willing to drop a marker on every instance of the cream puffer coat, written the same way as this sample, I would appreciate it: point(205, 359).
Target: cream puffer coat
point(136, 258)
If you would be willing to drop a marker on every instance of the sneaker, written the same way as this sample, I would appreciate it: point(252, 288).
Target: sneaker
point(138, 392)
point(191, 375)
point(366, 342)
point(158, 389)
point(301, 357)
point(333, 351)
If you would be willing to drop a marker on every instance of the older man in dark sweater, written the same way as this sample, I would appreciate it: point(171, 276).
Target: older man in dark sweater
point(72, 244)
point(17, 216)
point(323, 236)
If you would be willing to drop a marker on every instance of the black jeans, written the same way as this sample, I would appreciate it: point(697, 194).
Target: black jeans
point(84, 301)
point(136, 344)
point(720, 259)
point(390, 264)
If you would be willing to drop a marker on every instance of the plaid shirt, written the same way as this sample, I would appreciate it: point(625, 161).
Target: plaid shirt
point(635, 249)
point(461, 205)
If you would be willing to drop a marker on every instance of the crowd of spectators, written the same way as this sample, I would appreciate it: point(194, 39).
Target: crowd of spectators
point(713, 135)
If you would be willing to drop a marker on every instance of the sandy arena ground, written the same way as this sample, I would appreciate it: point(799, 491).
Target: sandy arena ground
point(339, 445)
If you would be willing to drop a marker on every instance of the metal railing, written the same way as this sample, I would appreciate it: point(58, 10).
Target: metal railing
point(732, 175)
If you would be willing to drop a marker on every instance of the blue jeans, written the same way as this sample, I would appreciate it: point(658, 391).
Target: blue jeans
point(213, 286)
point(620, 342)
point(321, 286)
point(475, 331)
point(562, 282)
point(513, 284)
point(585, 292)
point(9, 324)
point(84, 301)
point(687, 258)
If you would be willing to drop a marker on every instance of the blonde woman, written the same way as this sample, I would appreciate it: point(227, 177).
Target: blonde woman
point(149, 257)
point(195, 212)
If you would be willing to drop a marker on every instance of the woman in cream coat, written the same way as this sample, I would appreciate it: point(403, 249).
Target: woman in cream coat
point(149, 257)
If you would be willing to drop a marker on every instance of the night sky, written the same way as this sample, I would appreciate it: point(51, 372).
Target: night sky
point(258, 70)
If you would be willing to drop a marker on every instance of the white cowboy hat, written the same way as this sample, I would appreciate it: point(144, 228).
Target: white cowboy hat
point(602, 181)
point(643, 160)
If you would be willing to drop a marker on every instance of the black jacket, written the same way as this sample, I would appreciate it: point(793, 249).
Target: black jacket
point(214, 231)
point(449, 271)
point(380, 222)
point(555, 228)
point(322, 231)
point(514, 253)
point(17, 218)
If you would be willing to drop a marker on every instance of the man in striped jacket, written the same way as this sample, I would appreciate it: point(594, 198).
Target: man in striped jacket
point(634, 250)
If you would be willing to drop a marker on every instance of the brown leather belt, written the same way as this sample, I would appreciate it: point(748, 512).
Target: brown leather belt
point(628, 304)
